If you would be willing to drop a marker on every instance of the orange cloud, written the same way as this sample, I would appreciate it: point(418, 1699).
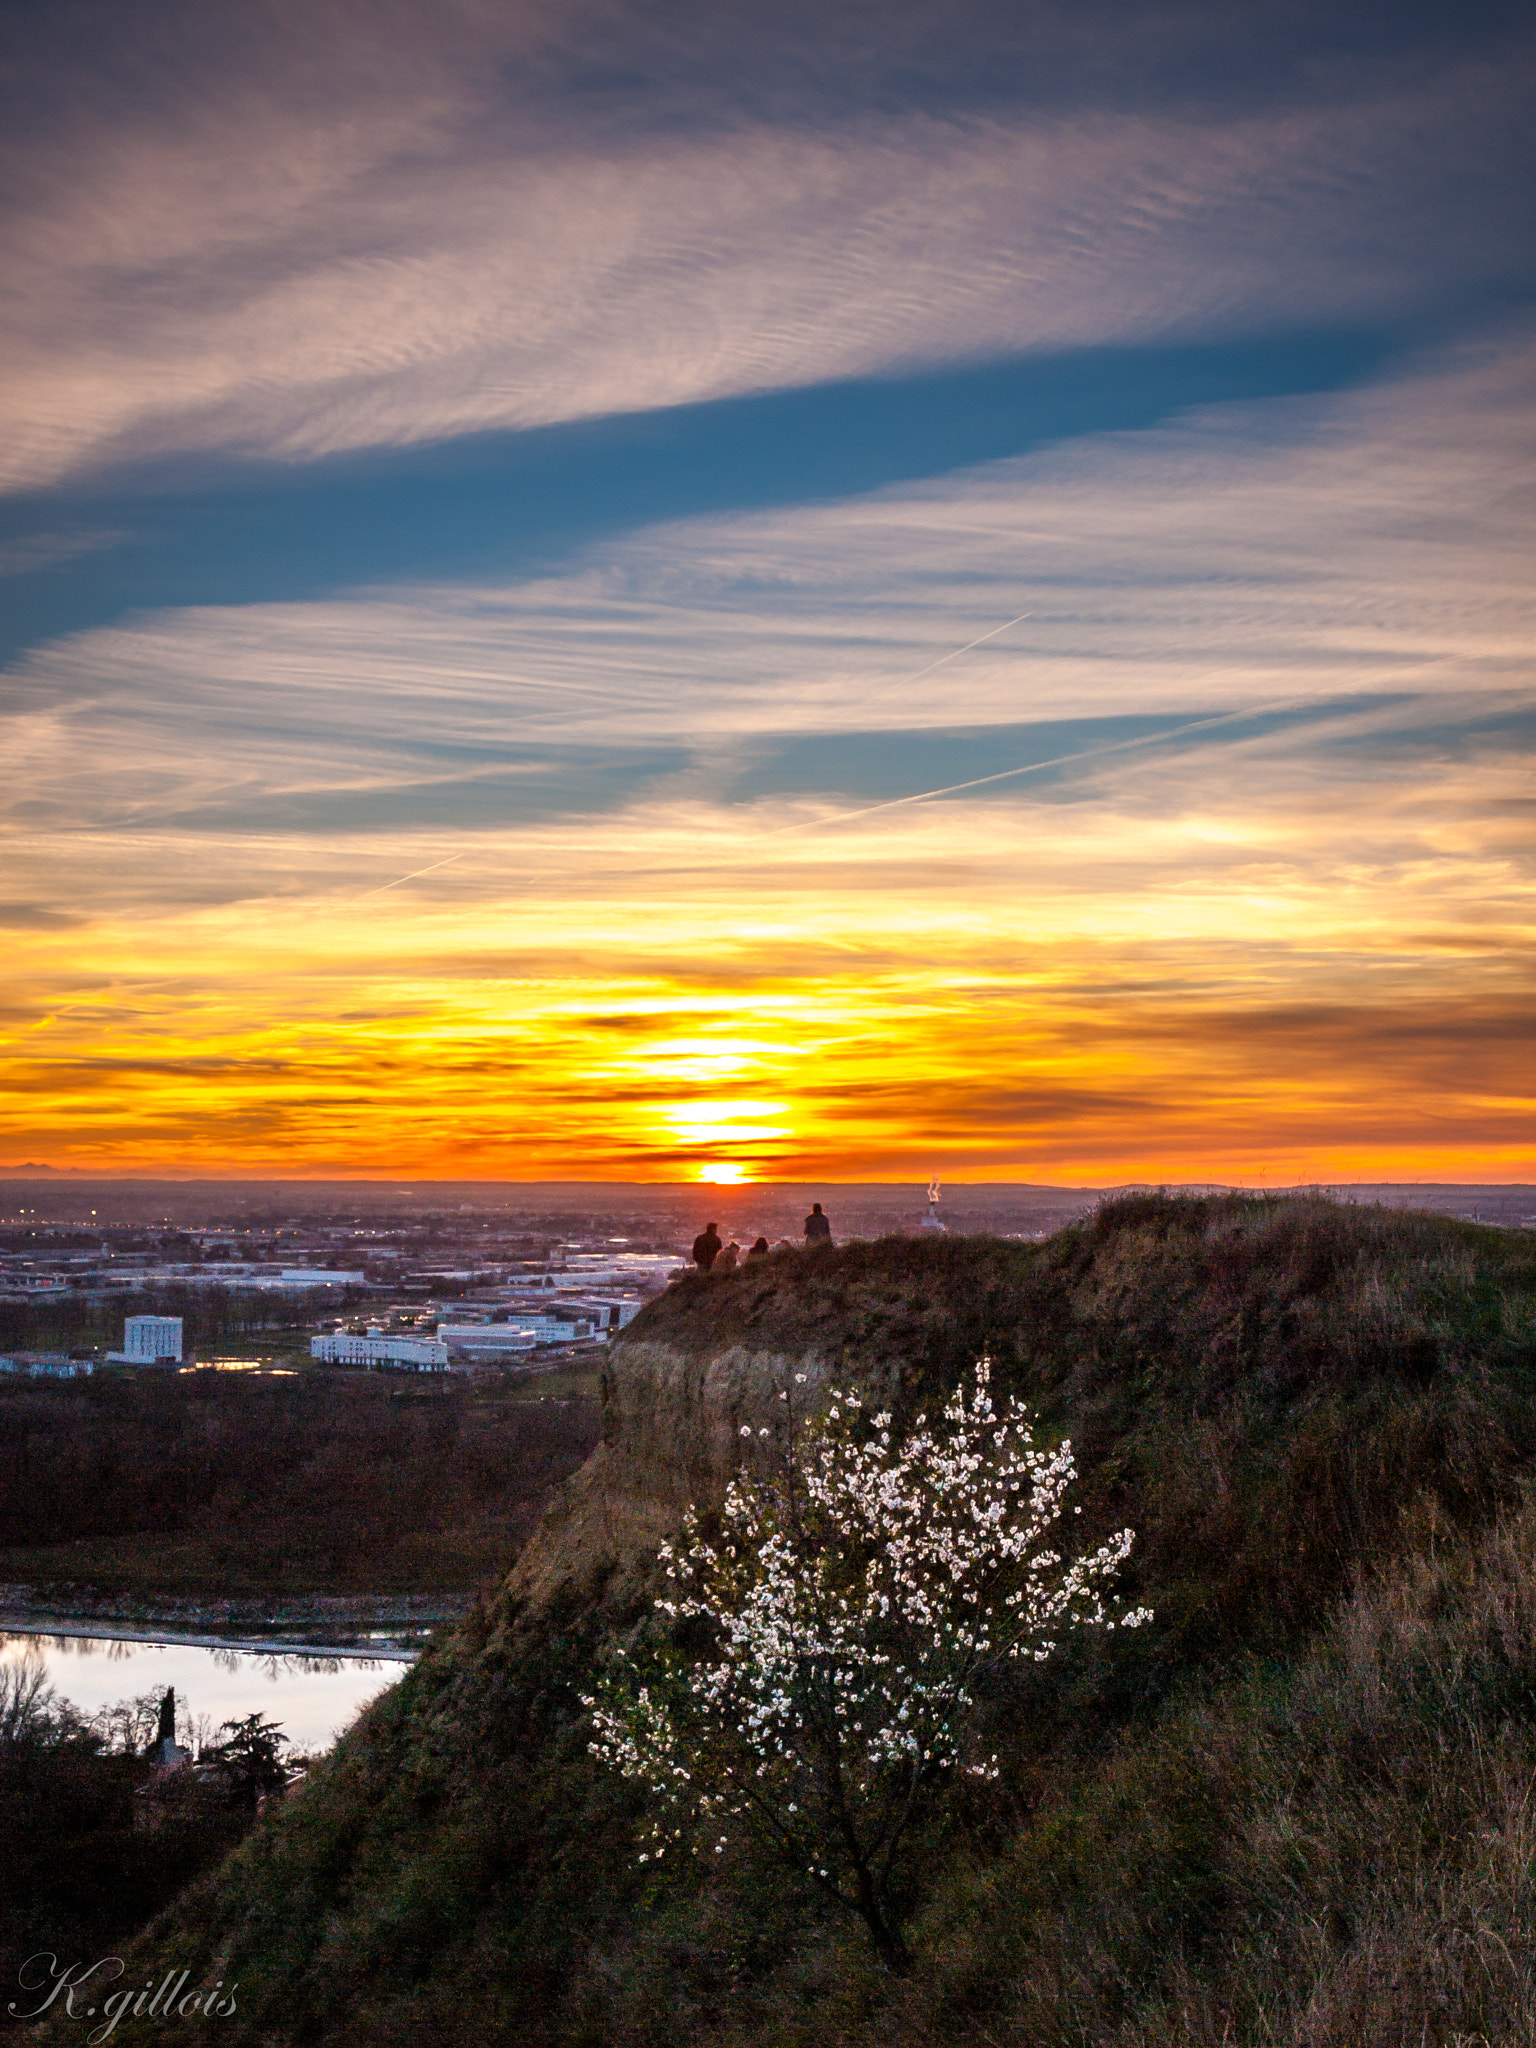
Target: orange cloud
point(1303, 943)
point(1230, 1012)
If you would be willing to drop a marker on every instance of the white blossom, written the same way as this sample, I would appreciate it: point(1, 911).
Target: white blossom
point(853, 1601)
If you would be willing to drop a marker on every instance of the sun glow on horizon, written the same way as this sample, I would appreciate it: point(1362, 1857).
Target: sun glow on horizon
point(753, 907)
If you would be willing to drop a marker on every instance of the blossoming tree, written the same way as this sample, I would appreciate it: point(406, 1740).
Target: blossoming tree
point(851, 1600)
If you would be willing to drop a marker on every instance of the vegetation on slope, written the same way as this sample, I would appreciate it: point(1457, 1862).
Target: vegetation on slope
point(1293, 1810)
point(86, 1855)
point(218, 1484)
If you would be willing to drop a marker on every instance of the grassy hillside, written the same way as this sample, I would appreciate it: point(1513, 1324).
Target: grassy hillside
point(1294, 1810)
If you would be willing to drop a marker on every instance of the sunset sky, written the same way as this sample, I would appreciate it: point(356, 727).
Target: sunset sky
point(804, 591)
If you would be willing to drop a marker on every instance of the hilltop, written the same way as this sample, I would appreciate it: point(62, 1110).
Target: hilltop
point(1293, 1810)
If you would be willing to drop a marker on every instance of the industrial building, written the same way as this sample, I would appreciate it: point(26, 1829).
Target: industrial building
point(375, 1348)
point(523, 1325)
point(47, 1365)
point(149, 1340)
point(503, 1340)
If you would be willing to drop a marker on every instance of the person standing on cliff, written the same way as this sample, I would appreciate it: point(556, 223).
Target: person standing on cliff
point(706, 1247)
point(818, 1230)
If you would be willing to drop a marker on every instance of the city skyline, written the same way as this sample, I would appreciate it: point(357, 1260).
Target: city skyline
point(591, 596)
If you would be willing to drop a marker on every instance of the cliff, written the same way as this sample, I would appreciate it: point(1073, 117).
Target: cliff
point(707, 1360)
point(1290, 1811)
point(672, 1421)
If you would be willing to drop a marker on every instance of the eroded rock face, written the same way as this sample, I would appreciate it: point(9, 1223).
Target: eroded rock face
point(672, 1435)
point(707, 1359)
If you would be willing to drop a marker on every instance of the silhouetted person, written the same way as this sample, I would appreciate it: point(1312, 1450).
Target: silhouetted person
point(706, 1247)
point(726, 1263)
point(759, 1250)
point(817, 1229)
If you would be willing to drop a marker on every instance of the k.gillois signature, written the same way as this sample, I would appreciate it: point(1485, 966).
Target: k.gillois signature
point(82, 1994)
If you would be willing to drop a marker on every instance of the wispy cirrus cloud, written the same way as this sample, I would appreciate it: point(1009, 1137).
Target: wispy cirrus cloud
point(1371, 549)
point(435, 251)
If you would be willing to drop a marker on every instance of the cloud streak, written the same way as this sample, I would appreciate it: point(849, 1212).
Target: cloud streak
point(254, 272)
point(1323, 551)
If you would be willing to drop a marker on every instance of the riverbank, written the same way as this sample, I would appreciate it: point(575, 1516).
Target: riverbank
point(394, 1627)
point(71, 1627)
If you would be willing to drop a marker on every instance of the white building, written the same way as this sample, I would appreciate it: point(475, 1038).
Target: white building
point(565, 1329)
point(150, 1340)
point(521, 1334)
point(411, 1354)
point(320, 1276)
point(621, 1311)
point(501, 1338)
point(546, 1321)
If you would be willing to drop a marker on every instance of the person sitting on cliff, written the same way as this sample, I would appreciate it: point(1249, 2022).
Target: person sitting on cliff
point(706, 1247)
point(818, 1230)
point(726, 1263)
point(759, 1250)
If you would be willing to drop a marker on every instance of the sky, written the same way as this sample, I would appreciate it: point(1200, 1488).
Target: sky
point(668, 593)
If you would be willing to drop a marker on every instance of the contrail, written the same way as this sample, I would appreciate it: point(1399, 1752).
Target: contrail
point(410, 877)
point(953, 655)
point(1151, 739)
point(956, 653)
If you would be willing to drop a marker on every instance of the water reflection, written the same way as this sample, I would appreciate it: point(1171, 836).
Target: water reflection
point(313, 1697)
point(282, 1663)
point(78, 1646)
point(275, 1664)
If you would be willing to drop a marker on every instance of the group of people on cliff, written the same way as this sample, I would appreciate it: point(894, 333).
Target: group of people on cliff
point(711, 1255)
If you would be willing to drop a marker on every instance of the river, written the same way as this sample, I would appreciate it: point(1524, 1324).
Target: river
point(313, 1698)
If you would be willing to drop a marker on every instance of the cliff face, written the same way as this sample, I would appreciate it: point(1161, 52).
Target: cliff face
point(707, 1360)
point(672, 1423)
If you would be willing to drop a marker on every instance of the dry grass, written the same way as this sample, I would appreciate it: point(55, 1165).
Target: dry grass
point(1296, 1811)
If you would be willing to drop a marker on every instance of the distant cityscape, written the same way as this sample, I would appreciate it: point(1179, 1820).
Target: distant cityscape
point(420, 1297)
point(466, 1278)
